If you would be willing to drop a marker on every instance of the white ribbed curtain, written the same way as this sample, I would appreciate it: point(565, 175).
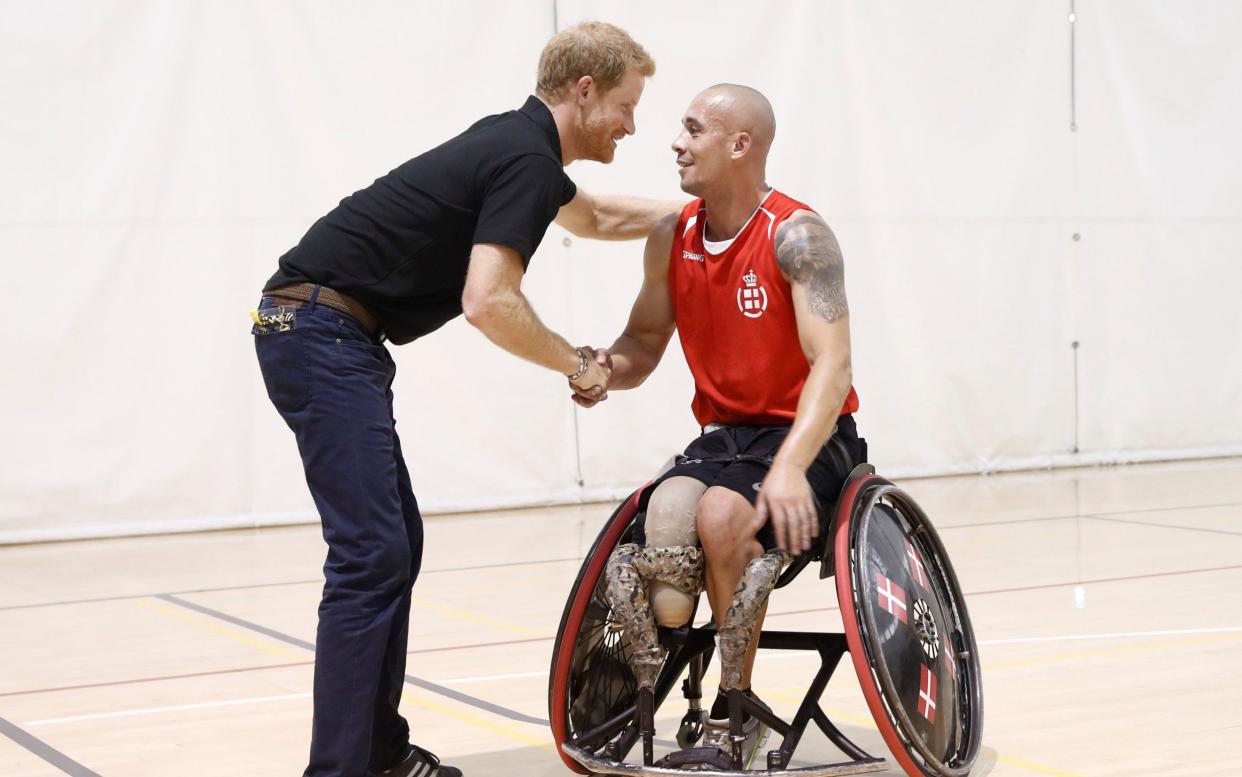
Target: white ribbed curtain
point(156, 159)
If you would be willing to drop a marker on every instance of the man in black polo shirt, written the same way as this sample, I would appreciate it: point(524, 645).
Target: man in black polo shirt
point(448, 232)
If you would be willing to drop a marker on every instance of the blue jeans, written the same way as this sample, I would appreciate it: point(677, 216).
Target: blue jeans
point(332, 384)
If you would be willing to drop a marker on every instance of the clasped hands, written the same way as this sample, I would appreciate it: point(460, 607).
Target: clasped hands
point(592, 388)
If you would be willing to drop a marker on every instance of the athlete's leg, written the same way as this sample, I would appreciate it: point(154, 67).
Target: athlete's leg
point(727, 525)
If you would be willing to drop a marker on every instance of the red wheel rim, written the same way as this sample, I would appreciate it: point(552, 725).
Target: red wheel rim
point(574, 613)
point(874, 520)
point(849, 618)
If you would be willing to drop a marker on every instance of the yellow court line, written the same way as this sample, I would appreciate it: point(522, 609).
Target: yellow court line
point(237, 636)
point(869, 723)
point(417, 699)
point(796, 698)
point(504, 730)
point(475, 617)
point(1143, 648)
point(1034, 767)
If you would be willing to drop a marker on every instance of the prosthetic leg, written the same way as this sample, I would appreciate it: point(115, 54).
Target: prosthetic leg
point(658, 582)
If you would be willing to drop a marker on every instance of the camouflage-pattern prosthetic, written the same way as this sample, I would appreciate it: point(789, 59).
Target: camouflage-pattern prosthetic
point(752, 592)
point(629, 571)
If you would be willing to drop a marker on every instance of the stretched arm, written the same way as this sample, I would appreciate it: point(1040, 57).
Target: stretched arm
point(494, 304)
point(641, 345)
point(613, 217)
point(810, 259)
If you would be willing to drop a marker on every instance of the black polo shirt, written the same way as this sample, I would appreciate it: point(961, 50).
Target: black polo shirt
point(401, 246)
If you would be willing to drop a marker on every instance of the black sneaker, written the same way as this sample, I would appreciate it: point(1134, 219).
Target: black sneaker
point(420, 763)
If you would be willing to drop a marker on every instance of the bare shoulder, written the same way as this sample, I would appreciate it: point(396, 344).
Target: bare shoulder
point(662, 233)
point(660, 243)
point(809, 255)
point(803, 241)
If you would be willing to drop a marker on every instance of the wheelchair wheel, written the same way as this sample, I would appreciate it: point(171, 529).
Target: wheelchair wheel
point(908, 631)
point(591, 682)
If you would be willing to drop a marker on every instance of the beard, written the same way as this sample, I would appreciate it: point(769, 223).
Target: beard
point(595, 137)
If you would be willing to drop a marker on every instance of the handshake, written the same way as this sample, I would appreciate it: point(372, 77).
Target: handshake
point(592, 387)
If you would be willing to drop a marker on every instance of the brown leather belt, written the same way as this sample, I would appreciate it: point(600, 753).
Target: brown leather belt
point(301, 292)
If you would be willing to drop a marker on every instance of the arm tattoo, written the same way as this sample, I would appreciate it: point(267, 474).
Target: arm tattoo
point(808, 254)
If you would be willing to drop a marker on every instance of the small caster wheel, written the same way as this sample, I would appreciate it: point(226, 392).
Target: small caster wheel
point(691, 729)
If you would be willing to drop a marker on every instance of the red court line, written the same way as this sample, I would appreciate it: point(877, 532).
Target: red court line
point(1047, 585)
point(135, 680)
point(481, 645)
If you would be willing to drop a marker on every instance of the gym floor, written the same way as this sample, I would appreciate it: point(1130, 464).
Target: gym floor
point(1105, 601)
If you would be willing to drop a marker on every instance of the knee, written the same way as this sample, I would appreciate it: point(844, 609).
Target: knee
point(366, 582)
point(387, 568)
point(724, 523)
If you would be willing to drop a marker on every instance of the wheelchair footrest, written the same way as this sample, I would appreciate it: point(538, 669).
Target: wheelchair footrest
point(602, 765)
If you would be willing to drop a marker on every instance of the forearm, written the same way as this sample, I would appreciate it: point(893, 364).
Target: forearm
point(510, 322)
point(818, 408)
point(632, 362)
point(618, 217)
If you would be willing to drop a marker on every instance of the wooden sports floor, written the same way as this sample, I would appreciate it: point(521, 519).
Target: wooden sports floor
point(1107, 603)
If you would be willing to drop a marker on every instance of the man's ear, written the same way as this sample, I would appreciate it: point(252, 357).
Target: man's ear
point(741, 144)
point(583, 89)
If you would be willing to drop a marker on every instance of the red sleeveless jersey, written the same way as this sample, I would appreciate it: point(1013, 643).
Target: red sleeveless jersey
point(735, 318)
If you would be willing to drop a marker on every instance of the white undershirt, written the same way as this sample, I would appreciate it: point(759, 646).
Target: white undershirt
point(717, 247)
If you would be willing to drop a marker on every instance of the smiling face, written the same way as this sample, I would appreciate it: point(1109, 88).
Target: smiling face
point(607, 117)
point(704, 146)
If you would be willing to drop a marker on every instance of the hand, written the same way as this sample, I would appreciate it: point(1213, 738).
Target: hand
point(592, 387)
point(785, 498)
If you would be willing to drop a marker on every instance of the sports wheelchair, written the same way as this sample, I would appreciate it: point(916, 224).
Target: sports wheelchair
point(905, 628)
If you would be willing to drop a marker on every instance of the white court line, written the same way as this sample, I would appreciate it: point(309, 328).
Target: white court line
point(239, 702)
point(486, 677)
point(176, 708)
point(1063, 638)
point(1113, 635)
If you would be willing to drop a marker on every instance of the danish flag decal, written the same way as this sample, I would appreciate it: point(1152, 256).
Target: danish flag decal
point(927, 693)
point(892, 597)
point(915, 562)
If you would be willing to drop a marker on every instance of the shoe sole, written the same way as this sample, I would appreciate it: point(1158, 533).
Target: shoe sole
point(764, 733)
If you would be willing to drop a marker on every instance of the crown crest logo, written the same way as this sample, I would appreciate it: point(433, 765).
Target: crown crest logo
point(752, 299)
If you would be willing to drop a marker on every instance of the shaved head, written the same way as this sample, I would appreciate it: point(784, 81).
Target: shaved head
point(741, 109)
point(724, 140)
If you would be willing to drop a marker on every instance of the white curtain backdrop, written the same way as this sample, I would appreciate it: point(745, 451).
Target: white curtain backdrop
point(157, 157)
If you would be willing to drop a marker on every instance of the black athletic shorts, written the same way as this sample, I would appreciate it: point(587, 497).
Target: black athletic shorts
point(739, 457)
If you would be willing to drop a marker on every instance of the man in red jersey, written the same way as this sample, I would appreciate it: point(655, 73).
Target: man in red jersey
point(753, 281)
